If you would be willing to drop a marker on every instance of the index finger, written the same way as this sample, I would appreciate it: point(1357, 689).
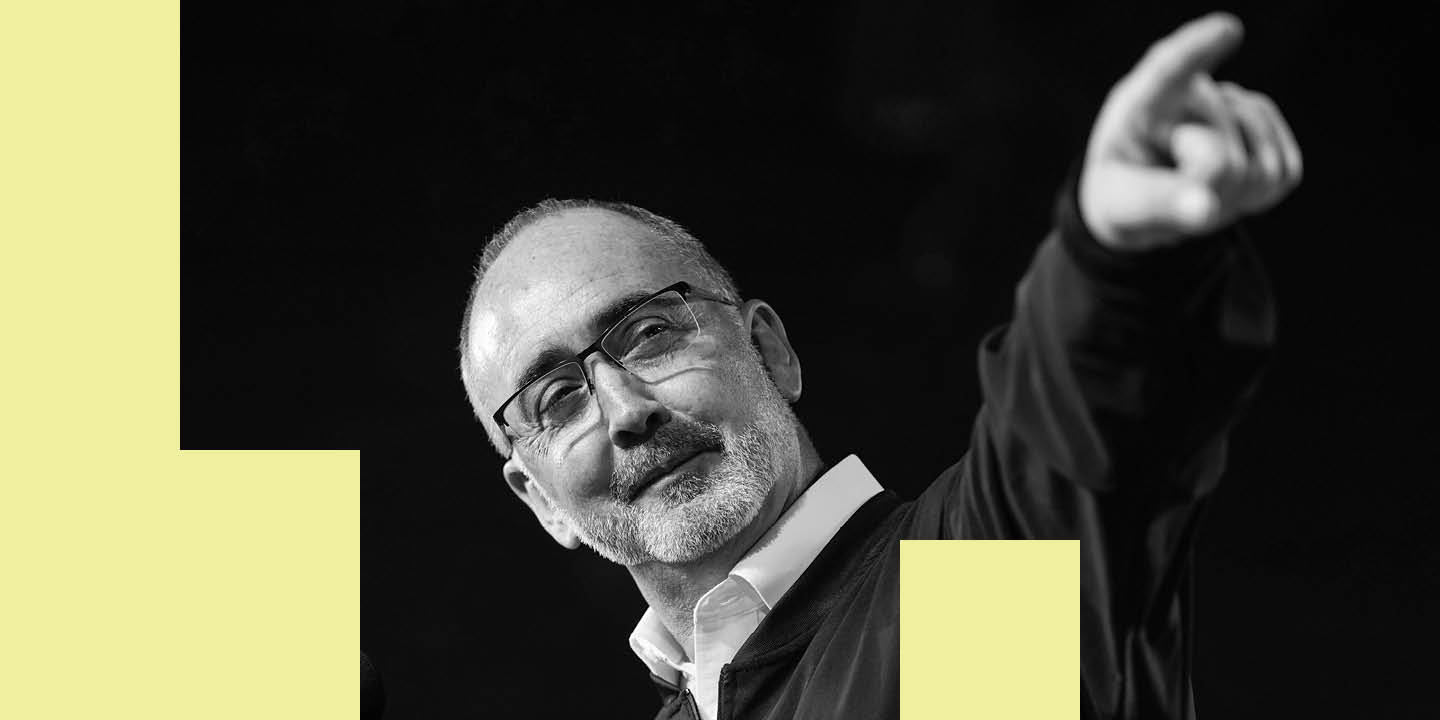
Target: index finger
point(1196, 47)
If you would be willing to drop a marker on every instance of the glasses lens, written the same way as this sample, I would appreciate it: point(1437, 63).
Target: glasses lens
point(650, 341)
point(556, 398)
point(653, 336)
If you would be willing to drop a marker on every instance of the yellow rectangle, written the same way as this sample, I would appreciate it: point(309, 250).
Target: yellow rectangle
point(989, 629)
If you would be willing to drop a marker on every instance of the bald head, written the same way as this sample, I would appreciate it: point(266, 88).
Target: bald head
point(555, 260)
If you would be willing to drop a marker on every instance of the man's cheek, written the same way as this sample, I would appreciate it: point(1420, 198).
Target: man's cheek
point(584, 474)
point(706, 396)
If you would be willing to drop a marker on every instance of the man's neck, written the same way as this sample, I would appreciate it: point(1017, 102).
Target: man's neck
point(673, 590)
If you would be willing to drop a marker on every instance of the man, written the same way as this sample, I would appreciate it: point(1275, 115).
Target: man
point(644, 411)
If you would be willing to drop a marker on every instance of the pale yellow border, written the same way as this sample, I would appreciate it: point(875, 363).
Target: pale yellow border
point(137, 580)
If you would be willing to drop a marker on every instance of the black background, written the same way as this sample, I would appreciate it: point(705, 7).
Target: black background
point(881, 172)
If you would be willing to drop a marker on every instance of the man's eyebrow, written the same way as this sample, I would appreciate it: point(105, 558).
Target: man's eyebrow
point(616, 309)
point(552, 356)
point(543, 363)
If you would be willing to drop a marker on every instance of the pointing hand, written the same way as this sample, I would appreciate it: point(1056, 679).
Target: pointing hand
point(1176, 155)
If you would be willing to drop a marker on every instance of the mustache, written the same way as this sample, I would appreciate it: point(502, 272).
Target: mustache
point(674, 441)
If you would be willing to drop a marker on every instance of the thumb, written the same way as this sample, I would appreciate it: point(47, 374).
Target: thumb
point(1136, 207)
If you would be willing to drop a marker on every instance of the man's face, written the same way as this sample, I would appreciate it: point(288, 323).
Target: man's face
point(668, 470)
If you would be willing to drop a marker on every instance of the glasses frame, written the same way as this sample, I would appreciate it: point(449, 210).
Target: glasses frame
point(684, 289)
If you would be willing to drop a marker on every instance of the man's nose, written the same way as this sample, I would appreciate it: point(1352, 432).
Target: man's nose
point(631, 413)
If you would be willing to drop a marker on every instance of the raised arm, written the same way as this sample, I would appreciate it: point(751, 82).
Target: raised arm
point(1138, 334)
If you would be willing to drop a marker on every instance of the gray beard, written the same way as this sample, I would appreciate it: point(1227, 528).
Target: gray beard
point(695, 513)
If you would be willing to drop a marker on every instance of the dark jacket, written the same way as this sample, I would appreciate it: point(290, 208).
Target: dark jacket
point(1106, 404)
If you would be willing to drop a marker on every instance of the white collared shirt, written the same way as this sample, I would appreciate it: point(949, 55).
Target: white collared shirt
point(727, 614)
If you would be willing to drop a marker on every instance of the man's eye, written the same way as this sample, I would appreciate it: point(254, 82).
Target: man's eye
point(650, 337)
point(558, 402)
point(653, 327)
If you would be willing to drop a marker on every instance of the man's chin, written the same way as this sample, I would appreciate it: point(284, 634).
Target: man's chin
point(700, 518)
point(692, 516)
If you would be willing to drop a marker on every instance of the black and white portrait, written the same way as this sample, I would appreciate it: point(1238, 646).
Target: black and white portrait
point(658, 328)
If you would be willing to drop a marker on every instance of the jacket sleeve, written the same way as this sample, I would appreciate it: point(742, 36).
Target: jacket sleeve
point(1106, 405)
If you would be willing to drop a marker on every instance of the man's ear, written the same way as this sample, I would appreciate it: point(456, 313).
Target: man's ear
point(768, 335)
point(540, 503)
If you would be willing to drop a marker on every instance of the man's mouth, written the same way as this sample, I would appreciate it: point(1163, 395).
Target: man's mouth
point(666, 468)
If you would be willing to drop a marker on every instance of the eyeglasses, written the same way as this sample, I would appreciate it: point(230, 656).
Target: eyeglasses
point(651, 341)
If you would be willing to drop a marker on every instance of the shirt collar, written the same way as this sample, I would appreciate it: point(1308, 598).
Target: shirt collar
point(778, 559)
